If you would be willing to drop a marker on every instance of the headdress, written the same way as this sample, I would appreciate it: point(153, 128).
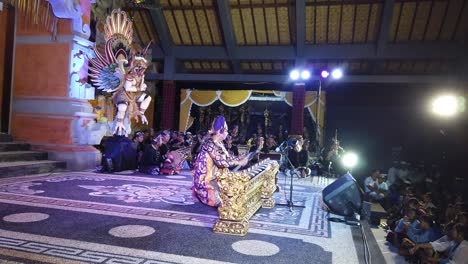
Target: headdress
point(156, 140)
point(139, 134)
point(219, 123)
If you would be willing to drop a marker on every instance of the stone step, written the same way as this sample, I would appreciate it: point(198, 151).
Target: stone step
point(22, 155)
point(5, 138)
point(21, 168)
point(14, 146)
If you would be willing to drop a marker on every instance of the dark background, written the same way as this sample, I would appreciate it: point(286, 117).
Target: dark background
point(373, 118)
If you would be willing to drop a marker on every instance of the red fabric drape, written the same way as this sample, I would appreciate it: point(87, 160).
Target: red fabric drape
point(297, 114)
point(168, 103)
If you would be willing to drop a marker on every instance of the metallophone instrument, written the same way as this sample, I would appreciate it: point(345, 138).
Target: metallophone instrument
point(242, 193)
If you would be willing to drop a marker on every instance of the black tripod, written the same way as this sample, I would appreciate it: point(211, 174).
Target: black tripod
point(289, 203)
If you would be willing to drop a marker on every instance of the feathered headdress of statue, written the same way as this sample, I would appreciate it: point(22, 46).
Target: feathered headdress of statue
point(107, 71)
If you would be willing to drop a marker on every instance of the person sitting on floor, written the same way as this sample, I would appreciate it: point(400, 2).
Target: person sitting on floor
point(402, 226)
point(424, 233)
point(153, 156)
point(139, 146)
point(453, 248)
point(259, 147)
point(381, 191)
point(371, 184)
point(230, 147)
point(299, 158)
point(213, 157)
point(271, 144)
point(179, 142)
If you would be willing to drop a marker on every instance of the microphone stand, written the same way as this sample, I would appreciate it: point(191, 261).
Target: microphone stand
point(289, 203)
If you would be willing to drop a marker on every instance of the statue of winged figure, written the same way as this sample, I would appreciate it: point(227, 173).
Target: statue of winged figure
point(121, 71)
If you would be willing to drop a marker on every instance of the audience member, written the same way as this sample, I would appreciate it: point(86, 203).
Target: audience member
point(452, 248)
point(370, 183)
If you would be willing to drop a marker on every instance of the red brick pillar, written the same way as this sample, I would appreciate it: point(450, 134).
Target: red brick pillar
point(50, 107)
point(168, 104)
point(297, 114)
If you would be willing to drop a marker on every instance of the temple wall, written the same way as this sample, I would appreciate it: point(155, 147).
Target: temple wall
point(50, 109)
point(3, 38)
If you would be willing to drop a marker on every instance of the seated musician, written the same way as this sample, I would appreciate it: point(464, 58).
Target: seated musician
point(153, 156)
point(259, 147)
point(299, 158)
point(235, 135)
point(212, 157)
point(139, 146)
point(165, 137)
point(230, 147)
point(333, 157)
point(271, 143)
point(179, 142)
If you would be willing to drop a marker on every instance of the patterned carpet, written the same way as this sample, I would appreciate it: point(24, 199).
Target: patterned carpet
point(85, 217)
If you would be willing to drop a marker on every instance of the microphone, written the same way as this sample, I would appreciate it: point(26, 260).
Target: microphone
point(281, 146)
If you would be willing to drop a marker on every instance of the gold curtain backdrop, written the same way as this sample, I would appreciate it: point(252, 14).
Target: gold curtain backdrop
point(234, 98)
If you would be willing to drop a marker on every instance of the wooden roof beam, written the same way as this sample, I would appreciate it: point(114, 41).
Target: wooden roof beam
point(238, 78)
point(300, 32)
point(385, 24)
point(224, 12)
point(434, 50)
point(159, 22)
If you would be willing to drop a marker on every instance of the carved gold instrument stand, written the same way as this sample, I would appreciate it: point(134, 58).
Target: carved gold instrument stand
point(242, 194)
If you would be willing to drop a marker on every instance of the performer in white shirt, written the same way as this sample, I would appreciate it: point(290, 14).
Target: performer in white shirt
point(370, 183)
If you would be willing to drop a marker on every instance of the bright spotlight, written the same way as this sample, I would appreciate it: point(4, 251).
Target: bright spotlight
point(324, 74)
point(446, 105)
point(337, 74)
point(349, 160)
point(294, 75)
point(305, 75)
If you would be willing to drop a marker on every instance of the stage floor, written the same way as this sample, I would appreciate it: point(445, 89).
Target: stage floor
point(86, 217)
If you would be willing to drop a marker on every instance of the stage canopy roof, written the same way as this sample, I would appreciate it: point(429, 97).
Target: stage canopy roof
point(373, 41)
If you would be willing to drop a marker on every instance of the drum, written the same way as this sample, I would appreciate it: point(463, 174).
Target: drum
point(175, 160)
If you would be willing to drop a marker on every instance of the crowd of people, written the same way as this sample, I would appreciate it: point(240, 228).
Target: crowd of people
point(426, 221)
point(169, 151)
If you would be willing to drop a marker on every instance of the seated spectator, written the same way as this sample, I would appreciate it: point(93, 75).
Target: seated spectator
point(381, 191)
point(393, 195)
point(402, 226)
point(392, 174)
point(405, 222)
point(370, 183)
point(450, 213)
point(462, 218)
point(427, 201)
point(453, 247)
point(424, 233)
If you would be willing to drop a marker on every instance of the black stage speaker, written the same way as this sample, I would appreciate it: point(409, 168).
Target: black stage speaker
point(343, 196)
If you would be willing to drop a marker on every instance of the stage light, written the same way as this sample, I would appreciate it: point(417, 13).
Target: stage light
point(324, 74)
point(349, 160)
point(445, 105)
point(337, 74)
point(305, 75)
point(294, 75)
